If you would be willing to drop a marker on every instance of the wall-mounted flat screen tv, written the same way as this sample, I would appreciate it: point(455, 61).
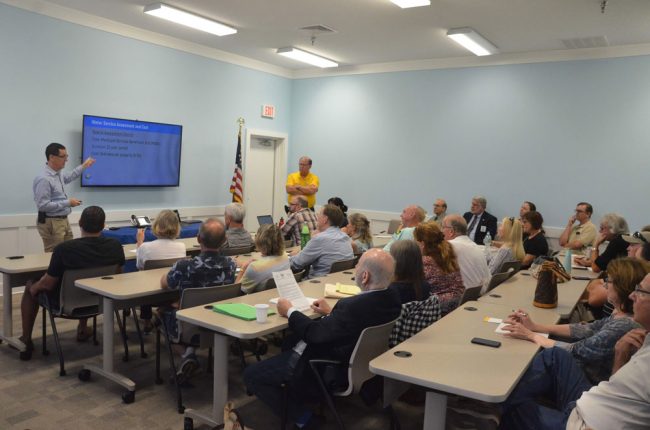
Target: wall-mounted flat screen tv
point(131, 153)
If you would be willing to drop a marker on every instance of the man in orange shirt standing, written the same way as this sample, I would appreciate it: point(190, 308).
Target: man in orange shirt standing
point(303, 183)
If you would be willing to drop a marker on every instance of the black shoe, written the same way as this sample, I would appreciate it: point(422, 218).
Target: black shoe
point(26, 355)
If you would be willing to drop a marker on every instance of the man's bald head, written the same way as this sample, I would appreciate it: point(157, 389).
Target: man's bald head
point(375, 270)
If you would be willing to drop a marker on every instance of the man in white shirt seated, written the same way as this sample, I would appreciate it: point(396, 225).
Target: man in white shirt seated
point(411, 216)
point(623, 402)
point(327, 247)
point(471, 258)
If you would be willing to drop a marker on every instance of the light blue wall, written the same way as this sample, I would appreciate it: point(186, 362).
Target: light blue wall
point(553, 133)
point(52, 72)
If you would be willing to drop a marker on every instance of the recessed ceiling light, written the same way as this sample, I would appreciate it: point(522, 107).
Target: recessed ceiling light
point(469, 39)
point(404, 4)
point(306, 57)
point(161, 10)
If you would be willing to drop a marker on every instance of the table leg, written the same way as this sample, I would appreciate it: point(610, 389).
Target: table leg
point(220, 385)
point(106, 370)
point(7, 317)
point(435, 411)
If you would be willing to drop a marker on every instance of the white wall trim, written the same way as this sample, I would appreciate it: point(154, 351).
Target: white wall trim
point(43, 7)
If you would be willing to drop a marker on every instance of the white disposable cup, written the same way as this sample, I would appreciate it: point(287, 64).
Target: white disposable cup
point(262, 311)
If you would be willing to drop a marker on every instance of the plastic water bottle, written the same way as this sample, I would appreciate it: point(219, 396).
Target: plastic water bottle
point(304, 236)
point(567, 261)
point(487, 241)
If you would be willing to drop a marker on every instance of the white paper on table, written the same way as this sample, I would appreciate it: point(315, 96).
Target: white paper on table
point(500, 330)
point(133, 250)
point(288, 288)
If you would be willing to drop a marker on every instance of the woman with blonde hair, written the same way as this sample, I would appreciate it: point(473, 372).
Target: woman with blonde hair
point(510, 234)
point(255, 273)
point(441, 269)
point(166, 227)
point(359, 231)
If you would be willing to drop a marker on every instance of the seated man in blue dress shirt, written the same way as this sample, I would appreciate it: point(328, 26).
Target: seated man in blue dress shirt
point(328, 246)
point(51, 200)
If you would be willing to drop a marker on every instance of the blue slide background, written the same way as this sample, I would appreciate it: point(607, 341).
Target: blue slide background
point(131, 153)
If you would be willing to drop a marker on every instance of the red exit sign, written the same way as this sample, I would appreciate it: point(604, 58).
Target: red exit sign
point(268, 111)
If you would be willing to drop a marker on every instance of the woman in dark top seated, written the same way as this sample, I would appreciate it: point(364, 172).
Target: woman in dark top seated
point(409, 272)
point(612, 227)
point(338, 202)
point(535, 244)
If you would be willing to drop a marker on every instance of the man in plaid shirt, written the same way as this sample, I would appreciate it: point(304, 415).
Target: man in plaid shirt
point(300, 214)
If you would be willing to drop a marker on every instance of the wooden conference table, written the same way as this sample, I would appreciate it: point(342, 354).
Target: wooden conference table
point(223, 326)
point(519, 292)
point(443, 359)
point(16, 272)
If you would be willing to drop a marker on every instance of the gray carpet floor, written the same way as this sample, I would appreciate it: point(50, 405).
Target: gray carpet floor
point(34, 396)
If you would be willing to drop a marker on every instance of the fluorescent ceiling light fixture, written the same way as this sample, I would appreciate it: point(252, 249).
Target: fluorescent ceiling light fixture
point(469, 39)
point(161, 10)
point(404, 4)
point(307, 57)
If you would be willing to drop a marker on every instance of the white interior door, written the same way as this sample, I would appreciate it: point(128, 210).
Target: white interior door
point(265, 174)
point(260, 175)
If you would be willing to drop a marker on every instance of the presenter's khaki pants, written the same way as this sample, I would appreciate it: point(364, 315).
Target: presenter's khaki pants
point(54, 231)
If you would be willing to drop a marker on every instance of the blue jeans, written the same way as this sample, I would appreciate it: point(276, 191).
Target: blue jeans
point(555, 375)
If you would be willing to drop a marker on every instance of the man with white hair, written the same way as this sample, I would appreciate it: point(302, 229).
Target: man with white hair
point(236, 235)
point(479, 221)
point(471, 258)
point(332, 337)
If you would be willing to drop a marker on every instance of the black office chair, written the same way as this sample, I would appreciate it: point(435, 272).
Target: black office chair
point(71, 302)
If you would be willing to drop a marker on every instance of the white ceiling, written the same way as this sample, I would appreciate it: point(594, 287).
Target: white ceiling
point(377, 31)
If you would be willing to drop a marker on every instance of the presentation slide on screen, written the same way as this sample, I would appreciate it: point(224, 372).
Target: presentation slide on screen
point(131, 153)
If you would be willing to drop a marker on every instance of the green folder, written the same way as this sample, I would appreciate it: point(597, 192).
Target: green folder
point(238, 310)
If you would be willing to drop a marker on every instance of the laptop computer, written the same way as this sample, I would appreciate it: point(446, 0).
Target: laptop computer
point(265, 219)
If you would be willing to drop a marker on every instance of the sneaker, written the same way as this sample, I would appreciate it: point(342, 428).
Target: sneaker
point(188, 366)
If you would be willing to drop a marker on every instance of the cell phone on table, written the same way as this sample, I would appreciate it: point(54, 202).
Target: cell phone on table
point(486, 342)
point(581, 278)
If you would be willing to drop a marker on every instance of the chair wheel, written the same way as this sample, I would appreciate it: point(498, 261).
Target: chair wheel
point(84, 375)
point(144, 355)
point(62, 373)
point(188, 424)
point(181, 410)
point(46, 353)
point(125, 358)
point(128, 397)
point(159, 381)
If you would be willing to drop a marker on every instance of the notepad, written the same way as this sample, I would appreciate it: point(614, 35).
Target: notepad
point(340, 291)
point(288, 288)
point(238, 310)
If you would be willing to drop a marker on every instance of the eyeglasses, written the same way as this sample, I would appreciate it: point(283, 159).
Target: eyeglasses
point(638, 235)
point(580, 211)
point(64, 156)
point(637, 290)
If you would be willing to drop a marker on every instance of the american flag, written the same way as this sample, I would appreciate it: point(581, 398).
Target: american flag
point(236, 187)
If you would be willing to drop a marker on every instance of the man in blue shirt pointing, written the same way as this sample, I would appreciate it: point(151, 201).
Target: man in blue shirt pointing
point(52, 202)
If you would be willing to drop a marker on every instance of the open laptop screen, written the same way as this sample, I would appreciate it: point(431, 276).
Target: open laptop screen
point(265, 219)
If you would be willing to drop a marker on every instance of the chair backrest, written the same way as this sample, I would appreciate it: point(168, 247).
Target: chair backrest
point(372, 342)
point(393, 225)
point(339, 266)
point(510, 266)
point(497, 279)
point(73, 298)
point(471, 294)
point(237, 251)
point(299, 276)
point(161, 263)
point(202, 296)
